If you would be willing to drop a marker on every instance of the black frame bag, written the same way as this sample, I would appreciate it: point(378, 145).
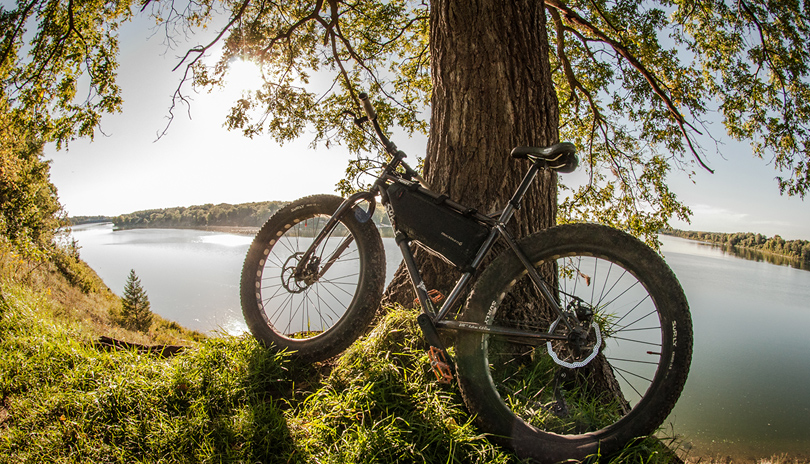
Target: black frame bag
point(451, 233)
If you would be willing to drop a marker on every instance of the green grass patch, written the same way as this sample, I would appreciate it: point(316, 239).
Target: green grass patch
point(225, 400)
point(381, 403)
point(228, 400)
point(66, 401)
point(222, 400)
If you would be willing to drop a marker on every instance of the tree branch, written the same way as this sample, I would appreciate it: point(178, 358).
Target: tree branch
point(573, 82)
point(315, 15)
point(12, 38)
point(200, 51)
point(332, 32)
point(578, 21)
point(766, 50)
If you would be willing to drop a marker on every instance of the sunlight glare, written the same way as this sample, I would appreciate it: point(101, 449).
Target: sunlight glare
point(243, 75)
point(227, 240)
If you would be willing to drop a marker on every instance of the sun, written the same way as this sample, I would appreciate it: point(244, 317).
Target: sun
point(243, 75)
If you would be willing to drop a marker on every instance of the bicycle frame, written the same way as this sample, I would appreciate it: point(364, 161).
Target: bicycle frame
point(438, 319)
point(498, 230)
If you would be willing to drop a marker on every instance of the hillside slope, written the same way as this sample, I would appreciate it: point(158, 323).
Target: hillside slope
point(229, 399)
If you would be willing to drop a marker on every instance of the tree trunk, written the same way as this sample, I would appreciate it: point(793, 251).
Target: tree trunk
point(492, 91)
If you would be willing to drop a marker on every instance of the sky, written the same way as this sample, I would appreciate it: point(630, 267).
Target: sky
point(198, 161)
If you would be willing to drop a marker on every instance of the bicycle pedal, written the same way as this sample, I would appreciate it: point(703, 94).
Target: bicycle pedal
point(434, 295)
point(439, 365)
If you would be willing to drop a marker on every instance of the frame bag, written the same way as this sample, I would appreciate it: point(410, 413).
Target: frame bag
point(427, 219)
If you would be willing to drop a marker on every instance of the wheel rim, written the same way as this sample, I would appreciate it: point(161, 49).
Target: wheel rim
point(302, 306)
point(550, 395)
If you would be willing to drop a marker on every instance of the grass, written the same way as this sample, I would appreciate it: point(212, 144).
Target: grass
point(66, 289)
point(225, 400)
point(222, 400)
point(381, 404)
point(66, 401)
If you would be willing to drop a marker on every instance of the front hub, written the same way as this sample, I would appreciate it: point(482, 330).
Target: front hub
point(295, 277)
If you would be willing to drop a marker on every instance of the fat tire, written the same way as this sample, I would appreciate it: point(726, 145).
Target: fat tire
point(367, 295)
point(479, 390)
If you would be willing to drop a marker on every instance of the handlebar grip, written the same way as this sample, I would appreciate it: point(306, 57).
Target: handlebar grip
point(367, 106)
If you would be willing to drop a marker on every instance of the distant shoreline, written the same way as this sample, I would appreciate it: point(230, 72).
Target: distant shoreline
point(744, 244)
point(239, 230)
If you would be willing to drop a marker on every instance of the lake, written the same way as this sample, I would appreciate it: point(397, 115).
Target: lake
point(747, 394)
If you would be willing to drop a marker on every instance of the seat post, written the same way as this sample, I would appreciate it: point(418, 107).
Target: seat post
point(517, 198)
point(524, 186)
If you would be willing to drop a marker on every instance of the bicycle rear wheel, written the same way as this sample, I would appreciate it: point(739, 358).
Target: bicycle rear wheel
point(616, 372)
point(317, 309)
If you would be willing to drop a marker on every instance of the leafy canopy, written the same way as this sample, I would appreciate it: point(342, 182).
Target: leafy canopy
point(637, 82)
point(59, 78)
point(30, 212)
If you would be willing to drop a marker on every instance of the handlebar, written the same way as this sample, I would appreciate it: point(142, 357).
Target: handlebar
point(371, 114)
point(390, 147)
point(368, 107)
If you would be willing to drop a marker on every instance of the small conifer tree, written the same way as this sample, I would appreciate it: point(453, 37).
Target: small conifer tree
point(135, 312)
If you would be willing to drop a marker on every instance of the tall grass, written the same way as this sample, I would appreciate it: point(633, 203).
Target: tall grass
point(66, 401)
point(381, 403)
point(222, 400)
point(227, 400)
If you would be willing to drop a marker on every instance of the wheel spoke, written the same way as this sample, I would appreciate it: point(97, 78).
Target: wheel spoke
point(622, 310)
point(296, 307)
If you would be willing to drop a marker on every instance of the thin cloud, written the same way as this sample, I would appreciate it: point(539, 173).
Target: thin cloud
point(715, 213)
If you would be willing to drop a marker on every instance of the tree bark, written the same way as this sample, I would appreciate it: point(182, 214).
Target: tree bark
point(492, 91)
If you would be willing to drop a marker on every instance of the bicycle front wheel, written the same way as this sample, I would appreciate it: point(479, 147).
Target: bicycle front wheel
point(619, 360)
point(318, 308)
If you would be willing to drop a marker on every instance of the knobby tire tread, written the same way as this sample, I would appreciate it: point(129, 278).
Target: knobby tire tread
point(544, 447)
point(360, 312)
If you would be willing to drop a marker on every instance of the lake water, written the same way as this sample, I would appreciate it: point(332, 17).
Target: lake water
point(748, 393)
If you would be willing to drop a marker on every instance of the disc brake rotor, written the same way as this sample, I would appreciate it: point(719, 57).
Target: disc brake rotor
point(570, 358)
point(298, 282)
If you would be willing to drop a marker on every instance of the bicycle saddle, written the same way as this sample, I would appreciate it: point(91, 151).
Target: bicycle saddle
point(561, 157)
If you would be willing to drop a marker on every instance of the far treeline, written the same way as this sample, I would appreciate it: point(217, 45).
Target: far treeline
point(200, 216)
point(795, 249)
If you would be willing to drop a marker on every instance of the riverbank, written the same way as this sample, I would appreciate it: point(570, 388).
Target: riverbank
point(223, 399)
point(163, 255)
point(796, 252)
point(239, 230)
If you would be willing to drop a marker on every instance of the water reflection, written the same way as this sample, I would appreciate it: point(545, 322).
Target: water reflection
point(756, 255)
